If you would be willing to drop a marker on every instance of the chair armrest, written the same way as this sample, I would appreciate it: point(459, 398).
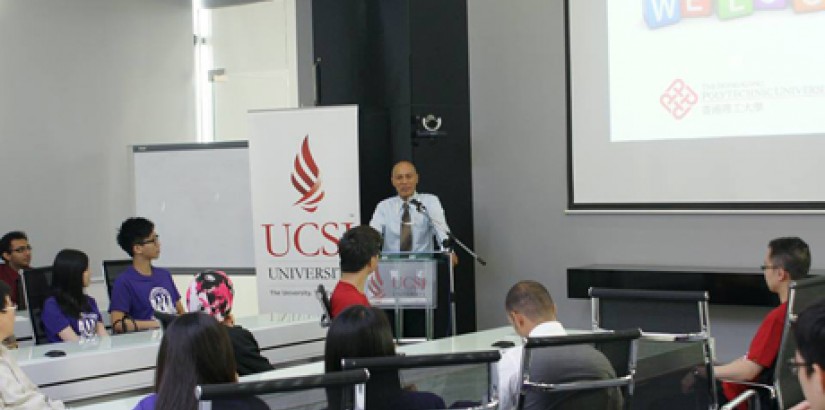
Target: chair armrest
point(770, 389)
point(741, 398)
point(675, 337)
point(492, 404)
point(583, 385)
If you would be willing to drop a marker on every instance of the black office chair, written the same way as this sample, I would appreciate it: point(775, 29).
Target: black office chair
point(323, 298)
point(37, 286)
point(164, 318)
point(662, 315)
point(778, 387)
point(461, 378)
point(581, 371)
point(294, 392)
point(112, 269)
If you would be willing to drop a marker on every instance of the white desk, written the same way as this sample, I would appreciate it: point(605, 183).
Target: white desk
point(125, 363)
point(471, 342)
point(464, 343)
point(23, 327)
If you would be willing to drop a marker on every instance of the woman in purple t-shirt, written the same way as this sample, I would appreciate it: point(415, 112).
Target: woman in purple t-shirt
point(70, 314)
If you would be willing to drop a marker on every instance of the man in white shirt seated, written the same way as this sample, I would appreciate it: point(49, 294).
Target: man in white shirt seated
point(533, 314)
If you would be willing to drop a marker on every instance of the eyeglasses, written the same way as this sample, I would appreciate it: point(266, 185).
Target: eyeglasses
point(794, 366)
point(148, 241)
point(12, 308)
point(21, 249)
point(767, 267)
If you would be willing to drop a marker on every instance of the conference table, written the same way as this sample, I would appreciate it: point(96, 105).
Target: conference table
point(125, 363)
point(23, 329)
point(655, 359)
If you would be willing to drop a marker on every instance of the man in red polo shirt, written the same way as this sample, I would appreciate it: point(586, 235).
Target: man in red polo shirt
point(788, 259)
point(358, 250)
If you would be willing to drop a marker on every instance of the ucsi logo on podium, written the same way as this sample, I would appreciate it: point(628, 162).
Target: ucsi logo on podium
point(400, 285)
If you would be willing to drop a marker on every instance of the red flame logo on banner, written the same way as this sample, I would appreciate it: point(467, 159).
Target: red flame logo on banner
point(306, 179)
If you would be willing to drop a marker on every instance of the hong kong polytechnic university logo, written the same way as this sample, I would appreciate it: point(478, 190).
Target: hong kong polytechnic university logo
point(306, 178)
point(678, 99)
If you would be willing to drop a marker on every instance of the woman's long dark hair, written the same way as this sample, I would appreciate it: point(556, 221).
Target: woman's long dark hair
point(67, 281)
point(362, 331)
point(195, 350)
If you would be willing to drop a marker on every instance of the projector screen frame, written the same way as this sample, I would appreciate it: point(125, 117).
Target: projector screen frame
point(577, 207)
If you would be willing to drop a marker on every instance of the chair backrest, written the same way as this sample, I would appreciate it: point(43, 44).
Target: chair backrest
point(303, 392)
point(653, 311)
point(112, 269)
point(37, 286)
point(579, 371)
point(667, 314)
point(323, 298)
point(801, 294)
point(439, 380)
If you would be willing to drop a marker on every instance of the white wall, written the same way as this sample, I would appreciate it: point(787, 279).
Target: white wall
point(517, 91)
point(82, 80)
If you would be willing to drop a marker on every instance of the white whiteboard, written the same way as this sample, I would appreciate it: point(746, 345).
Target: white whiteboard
point(199, 197)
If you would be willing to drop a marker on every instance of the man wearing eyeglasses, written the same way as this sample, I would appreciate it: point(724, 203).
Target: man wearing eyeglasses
point(788, 259)
point(142, 289)
point(17, 255)
point(809, 363)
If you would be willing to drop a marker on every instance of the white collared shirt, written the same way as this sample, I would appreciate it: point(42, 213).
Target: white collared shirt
point(387, 220)
point(509, 366)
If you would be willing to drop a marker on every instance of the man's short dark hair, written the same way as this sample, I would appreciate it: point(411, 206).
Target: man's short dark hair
point(5, 241)
point(791, 254)
point(531, 299)
point(132, 232)
point(357, 247)
point(809, 331)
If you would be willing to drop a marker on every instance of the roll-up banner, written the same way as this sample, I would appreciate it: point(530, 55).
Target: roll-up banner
point(304, 171)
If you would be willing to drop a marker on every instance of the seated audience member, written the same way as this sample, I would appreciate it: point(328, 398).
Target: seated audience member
point(17, 392)
point(358, 250)
point(212, 292)
point(70, 314)
point(17, 255)
point(787, 259)
point(142, 288)
point(363, 331)
point(533, 314)
point(195, 349)
point(809, 364)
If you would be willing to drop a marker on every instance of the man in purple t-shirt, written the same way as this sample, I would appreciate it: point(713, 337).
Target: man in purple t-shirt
point(142, 288)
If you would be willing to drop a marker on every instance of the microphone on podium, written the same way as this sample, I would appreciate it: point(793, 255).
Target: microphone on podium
point(418, 205)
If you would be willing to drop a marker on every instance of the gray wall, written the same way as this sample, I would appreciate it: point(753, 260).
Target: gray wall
point(518, 108)
point(81, 81)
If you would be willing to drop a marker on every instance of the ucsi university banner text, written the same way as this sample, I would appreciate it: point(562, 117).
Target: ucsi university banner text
point(304, 170)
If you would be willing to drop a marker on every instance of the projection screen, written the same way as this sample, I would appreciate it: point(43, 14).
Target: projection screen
point(696, 104)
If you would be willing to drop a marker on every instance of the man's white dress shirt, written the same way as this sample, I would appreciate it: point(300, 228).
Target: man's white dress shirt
point(509, 366)
point(387, 220)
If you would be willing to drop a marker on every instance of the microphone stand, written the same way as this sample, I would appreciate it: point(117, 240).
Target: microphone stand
point(438, 225)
